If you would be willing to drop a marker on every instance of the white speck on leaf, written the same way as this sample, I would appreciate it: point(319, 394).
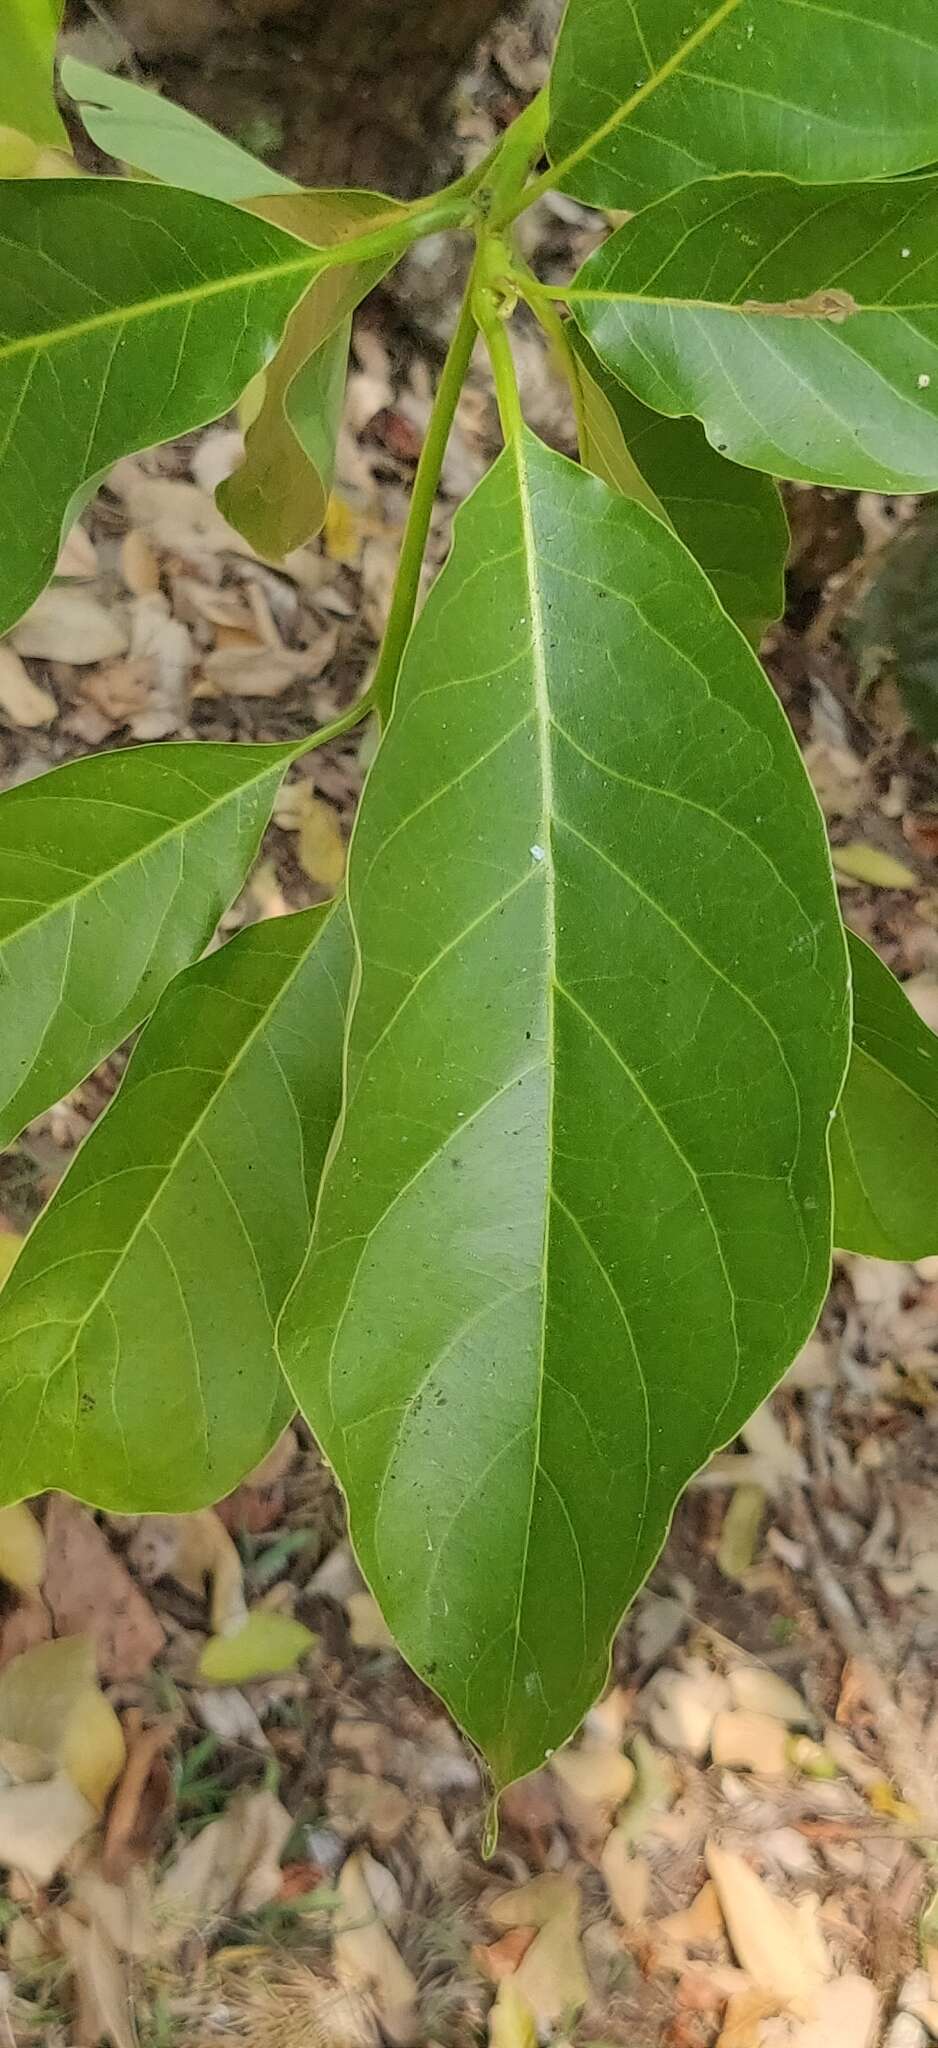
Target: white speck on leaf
point(537, 853)
point(924, 381)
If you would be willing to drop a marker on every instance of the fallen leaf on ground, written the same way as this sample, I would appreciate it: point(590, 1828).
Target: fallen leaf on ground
point(90, 1591)
point(861, 863)
point(22, 1548)
point(254, 672)
point(103, 1993)
point(531, 1904)
point(367, 1960)
point(500, 1958)
point(138, 564)
point(628, 1879)
point(739, 1535)
point(762, 1692)
point(367, 1626)
point(700, 1923)
point(750, 1742)
point(175, 516)
point(551, 1977)
point(193, 1549)
point(266, 1643)
point(320, 846)
point(511, 2021)
point(71, 626)
point(41, 1823)
point(357, 1803)
point(769, 1937)
point(51, 1708)
point(846, 2015)
point(681, 1707)
point(22, 700)
point(233, 1866)
point(78, 555)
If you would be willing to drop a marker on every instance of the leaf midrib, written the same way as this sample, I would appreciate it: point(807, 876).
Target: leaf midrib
point(653, 84)
point(142, 309)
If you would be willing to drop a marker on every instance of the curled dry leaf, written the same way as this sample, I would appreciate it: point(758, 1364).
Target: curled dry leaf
point(628, 1879)
point(21, 700)
point(142, 1797)
point(193, 1549)
point(41, 1823)
point(360, 1804)
point(750, 1742)
point(320, 845)
point(89, 1590)
point(71, 626)
point(367, 1960)
point(78, 556)
point(759, 1691)
point(859, 862)
point(681, 1707)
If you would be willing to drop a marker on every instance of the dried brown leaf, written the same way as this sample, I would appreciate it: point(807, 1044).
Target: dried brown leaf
point(71, 626)
point(90, 1591)
point(22, 701)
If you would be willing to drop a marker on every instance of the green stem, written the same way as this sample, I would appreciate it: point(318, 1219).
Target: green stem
point(448, 209)
point(495, 331)
point(520, 147)
point(361, 709)
point(407, 583)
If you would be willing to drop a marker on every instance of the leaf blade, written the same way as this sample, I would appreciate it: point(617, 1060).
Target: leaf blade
point(114, 872)
point(798, 323)
point(486, 1465)
point(719, 86)
point(128, 314)
point(884, 1142)
point(732, 519)
point(137, 1365)
point(137, 126)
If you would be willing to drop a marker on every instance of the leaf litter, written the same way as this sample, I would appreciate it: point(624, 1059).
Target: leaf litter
point(227, 1810)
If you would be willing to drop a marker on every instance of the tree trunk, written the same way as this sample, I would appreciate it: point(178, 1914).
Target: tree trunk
point(336, 91)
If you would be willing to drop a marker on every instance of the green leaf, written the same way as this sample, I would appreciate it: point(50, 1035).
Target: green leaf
point(140, 128)
point(267, 1642)
point(799, 324)
point(137, 1364)
point(648, 97)
point(731, 520)
point(278, 496)
point(884, 1143)
point(128, 314)
point(577, 1217)
point(114, 872)
point(27, 101)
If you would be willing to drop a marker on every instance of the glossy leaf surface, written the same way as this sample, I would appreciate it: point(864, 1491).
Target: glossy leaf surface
point(799, 324)
point(732, 520)
point(577, 1219)
point(137, 1366)
point(278, 496)
point(27, 56)
point(114, 872)
point(128, 314)
point(649, 96)
point(884, 1144)
point(141, 128)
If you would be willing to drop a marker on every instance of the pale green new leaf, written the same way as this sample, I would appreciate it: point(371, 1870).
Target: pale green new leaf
point(27, 53)
point(128, 314)
point(139, 127)
point(649, 95)
point(884, 1144)
point(577, 1218)
point(114, 872)
point(799, 323)
point(732, 520)
point(278, 496)
point(137, 1362)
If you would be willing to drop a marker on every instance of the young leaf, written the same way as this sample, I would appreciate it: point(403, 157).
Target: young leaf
point(577, 1217)
point(647, 97)
point(884, 1143)
point(27, 100)
point(138, 127)
point(114, 872)
point(278, 496)
point(137, 1366)
point(732, 520)
point(128, 313)
point(800, 324)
